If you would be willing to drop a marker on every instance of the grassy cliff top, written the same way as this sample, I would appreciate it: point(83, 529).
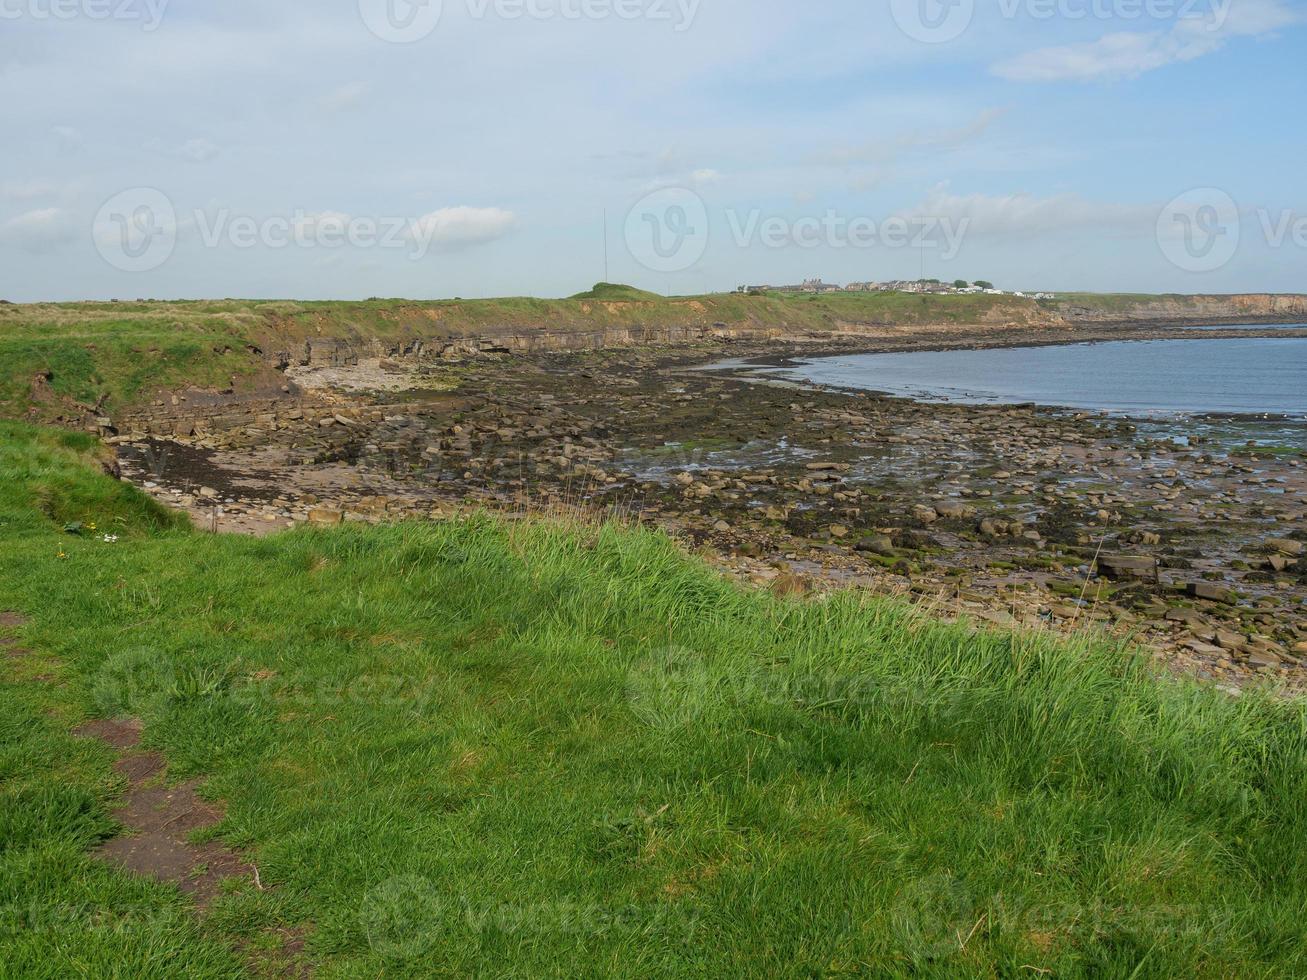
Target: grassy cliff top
point(573, 750)
point(123, 352)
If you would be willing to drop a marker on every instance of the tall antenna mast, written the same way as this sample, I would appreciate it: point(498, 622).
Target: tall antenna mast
point(606, 279)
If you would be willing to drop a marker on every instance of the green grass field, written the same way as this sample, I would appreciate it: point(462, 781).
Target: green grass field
point(531, 749)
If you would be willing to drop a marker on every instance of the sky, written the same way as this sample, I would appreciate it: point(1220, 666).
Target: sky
point(345, 149)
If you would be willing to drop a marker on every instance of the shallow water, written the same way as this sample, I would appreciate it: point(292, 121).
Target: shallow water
point(1253, 376)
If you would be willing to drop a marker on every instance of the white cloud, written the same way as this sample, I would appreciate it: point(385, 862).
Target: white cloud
point(197, 150)
point(1024, 215)
point(459, 227)
point(39, 231)
point(1128, 54)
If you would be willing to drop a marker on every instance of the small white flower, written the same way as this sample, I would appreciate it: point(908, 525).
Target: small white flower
point(110, 539)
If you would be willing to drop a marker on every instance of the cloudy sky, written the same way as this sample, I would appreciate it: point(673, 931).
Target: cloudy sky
point(355, 148)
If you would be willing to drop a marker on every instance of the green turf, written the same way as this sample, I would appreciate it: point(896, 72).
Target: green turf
point(528, 749)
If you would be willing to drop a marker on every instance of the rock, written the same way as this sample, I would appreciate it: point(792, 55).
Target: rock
point(1264, 658)
point(1294, 549)
point(953, 510)
point(1300, 649)
point(1228, 640)
point(926, 515)
point(1183, 614)
point(838, 531)
point(878, 544)
point(721, 527)
point(1127, 567)
point(325, 516)
point(1210, 591)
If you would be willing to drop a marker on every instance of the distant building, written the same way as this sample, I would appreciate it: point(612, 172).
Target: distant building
point(808, 286)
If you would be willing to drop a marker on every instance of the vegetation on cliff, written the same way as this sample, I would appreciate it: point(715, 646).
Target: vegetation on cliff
point(574, 750)
point(55, 357)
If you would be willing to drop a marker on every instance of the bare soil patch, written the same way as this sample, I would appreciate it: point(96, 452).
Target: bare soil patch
point(160, 821)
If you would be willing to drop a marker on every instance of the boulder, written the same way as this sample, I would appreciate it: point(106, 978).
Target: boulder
point(1285, 546)
point(877, 544)
point(326, 516)
point(953, 510)
point(1210, 591)
point(1127, 567)
point(1187, 616)
point(1229, 640)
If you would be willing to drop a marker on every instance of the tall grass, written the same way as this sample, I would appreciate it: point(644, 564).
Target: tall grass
point(545, 748)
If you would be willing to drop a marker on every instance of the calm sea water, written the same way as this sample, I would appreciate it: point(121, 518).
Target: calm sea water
point(1254, 326)
point(1250, 376)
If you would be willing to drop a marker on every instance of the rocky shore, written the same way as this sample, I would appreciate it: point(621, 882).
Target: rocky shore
point(1009, 515)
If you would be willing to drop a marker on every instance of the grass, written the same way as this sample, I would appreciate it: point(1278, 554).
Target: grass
point(124, 354)
point(115, 360)
point(538, 749)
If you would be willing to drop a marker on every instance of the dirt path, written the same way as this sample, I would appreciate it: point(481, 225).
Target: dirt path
point(160, 822)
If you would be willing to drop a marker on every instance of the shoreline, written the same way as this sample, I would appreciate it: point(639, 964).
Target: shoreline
point(991, 512)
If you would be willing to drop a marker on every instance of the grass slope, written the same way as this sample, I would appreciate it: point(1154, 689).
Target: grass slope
point(128, 352)
point(537, 750)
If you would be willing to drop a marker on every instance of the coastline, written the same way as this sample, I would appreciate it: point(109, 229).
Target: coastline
point(999, 514)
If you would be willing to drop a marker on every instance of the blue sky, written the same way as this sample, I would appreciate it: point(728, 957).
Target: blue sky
point(1042, 144)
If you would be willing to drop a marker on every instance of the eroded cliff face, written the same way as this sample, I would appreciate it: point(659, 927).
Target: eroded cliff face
point(1252, 307)
point(343, 351)
point(433, 340)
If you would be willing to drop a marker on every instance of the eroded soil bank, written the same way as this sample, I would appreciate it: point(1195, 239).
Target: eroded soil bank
point(1188, 542)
